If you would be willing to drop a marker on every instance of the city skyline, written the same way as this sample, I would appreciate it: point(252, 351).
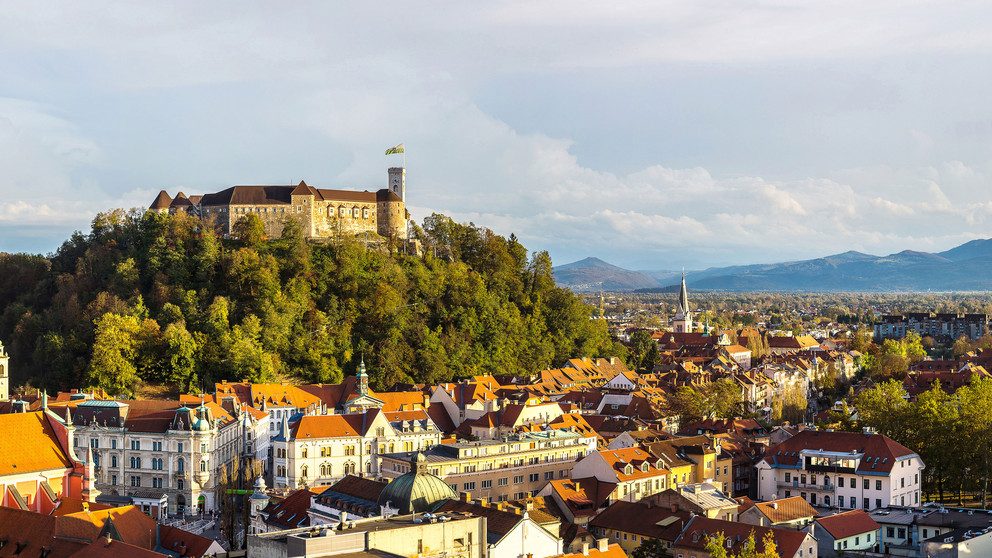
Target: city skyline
point(649, 135)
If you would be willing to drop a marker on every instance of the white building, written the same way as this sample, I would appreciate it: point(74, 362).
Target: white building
point(318, 450)
point(155, 448)
point(844, 470)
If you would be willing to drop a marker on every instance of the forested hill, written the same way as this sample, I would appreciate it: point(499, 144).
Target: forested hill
point(144, 297)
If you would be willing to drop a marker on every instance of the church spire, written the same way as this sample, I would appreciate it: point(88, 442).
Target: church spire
point(683, 296)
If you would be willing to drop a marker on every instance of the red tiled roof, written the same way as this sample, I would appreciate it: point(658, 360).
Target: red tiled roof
point(848, 524)
point(787, 541)
point(880, 452)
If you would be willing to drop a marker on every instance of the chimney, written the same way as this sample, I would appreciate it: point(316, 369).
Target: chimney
point(601, 544)
point(482, 502)
point(585, 549)
point(675, 508)
point(499, 506)
point(466, 497)
point(529, 506)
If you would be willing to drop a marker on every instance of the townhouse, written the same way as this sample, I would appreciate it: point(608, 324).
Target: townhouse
point(849, 531)
point(498, 470)
point(846, 470)
point(789, 543)
point(635, 472)
point(318, 450)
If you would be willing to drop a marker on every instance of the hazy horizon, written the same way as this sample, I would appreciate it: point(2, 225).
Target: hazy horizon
point(651, 135)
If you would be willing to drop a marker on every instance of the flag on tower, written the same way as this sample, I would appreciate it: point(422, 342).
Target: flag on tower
point(397, 149)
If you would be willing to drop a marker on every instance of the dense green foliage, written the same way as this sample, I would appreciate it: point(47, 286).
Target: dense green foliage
point(145, 297)
point(951, 433)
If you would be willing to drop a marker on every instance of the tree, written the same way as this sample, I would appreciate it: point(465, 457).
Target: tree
point(112, 366)
point(249, 229)
point(650, 548)
point(716, 547)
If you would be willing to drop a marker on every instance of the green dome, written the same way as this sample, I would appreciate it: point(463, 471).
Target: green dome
point(204, 421)
point(417, 491)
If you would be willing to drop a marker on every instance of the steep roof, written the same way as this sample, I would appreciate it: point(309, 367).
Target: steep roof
point(330, 426)
point(291, 512)
point(643, 519)
point(848, 524)
point(786, 510)
point(880, 452)
point(34, 431)
point(162, 201)
point(498, 522)
point(787, 541)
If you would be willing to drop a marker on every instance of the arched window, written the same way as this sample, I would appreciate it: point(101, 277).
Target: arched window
point(303, 453)
point(181, 465)
point(203, 466)
point(303, 471)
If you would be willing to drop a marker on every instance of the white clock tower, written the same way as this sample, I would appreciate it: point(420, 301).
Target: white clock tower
point(397, 181)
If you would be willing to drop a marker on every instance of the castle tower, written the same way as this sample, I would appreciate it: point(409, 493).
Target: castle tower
point(4, 374)
point(682, 323)
point(397, 181)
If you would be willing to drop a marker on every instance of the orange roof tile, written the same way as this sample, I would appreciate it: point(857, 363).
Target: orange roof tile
point(35, 434)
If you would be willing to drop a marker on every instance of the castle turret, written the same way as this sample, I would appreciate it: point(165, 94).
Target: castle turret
point(397, 182)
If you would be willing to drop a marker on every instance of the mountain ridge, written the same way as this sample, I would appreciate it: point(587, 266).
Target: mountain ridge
point(967, 267)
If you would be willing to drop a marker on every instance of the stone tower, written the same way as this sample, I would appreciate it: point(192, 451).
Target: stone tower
point(682, 323)
point(4, 374)
point(397, 181)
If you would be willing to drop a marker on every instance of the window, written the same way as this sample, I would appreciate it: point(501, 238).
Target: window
point(303, 453)
point(469, 486)
point(113, 461)
point(135, 481)
point(803, 479)
point(518, 479)
point(840, 501)
point(549, 475)
point(113, 480)
point(534, 477)
point(203, 466)
point(113, 444)
point(502, 481)
point(788, 476)
point(95, 443)
point(136, 444)
point(840, 482)
point(902, 483)
point(487, 484)
point(902, 532)
point(156, 446)
point(878, 485)
point(180, 447)
point(866, 502)
point(866, 485)
point(181, 465)
point(304, 471)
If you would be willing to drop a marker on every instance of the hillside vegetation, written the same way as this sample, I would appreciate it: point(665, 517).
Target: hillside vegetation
point(145, 298)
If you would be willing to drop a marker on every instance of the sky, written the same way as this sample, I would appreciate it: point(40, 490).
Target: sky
point(654, 135)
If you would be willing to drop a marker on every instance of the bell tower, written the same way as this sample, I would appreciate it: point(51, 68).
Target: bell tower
point(4, 374)
point(397, 181)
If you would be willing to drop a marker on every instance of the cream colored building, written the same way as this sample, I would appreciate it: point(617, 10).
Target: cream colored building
point(500, 470)
point(319, 450)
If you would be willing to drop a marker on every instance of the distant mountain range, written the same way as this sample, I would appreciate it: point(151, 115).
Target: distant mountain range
point(965, 268)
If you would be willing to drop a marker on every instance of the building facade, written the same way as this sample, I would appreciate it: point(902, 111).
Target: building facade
point(843, 470)
point(322, 213)
point(159, 447)
point(500, 470)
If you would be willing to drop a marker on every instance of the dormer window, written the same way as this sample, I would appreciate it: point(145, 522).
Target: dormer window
point(629, 469)
point(645, 467)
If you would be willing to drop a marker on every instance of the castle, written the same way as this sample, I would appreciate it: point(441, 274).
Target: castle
point(322, 213)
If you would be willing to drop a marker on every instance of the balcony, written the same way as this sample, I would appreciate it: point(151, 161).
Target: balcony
point(809, 487)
